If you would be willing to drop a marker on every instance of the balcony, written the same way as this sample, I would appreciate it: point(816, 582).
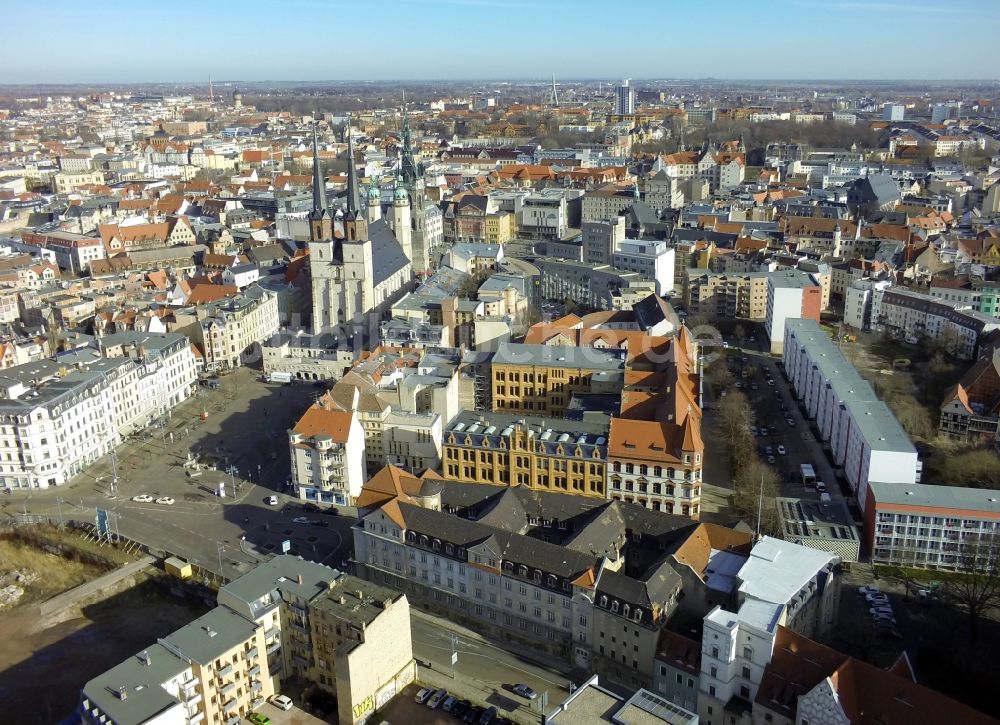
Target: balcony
point(193, 700)
point(254, 671)
point(196, 718)
point(226, 689)
point(234, 720)
point(230, 705)
point(272, 648)
point(252, 653)
point(226, 671)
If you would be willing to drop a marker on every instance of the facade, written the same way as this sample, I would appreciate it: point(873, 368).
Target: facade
point(547, 454)
point(601, 288)
point(782, 584)
point(824, 525)
point(979, 294)
point(652, 259)
point(542, 379)
point(931, 527)
point(544, 215)
point(723, 296)
point(971, 408)
point(285, 618)
point(553, 571)
point(866, 440)
point(862, 302)
point(60, 416)
point(327, 449)
point(657, 465)
point(230, 330)
point(602, 239)
point(624, 99)
point(912, 316)
point(790, 295)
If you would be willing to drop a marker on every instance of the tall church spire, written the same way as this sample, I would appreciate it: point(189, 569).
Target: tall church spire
point(353, 194)
point(407, 167)
point(319, 182)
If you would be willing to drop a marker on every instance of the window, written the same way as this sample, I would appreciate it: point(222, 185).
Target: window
point(746, 672)
point(715, 652)
point(714, 671)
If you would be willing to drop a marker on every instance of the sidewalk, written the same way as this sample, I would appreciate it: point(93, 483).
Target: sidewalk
point(68, 599)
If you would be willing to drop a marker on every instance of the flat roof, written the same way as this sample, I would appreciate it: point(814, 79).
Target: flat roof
point(808, 519)
point(559, 356)
point(282, 573)
point(984, 500)
point(141, 683)
point(212, 634)
point(777, 570)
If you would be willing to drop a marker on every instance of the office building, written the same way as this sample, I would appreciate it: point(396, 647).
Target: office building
point(624, 99)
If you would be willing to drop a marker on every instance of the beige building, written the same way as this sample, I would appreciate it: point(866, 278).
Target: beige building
point(714, 295)
point(65, 181)
point(232, 328)
point(285, 618)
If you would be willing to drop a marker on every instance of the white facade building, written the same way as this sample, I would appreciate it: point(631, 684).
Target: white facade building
point(860, 303)
point(328, 455)
point(866, 440)
point(652, 259)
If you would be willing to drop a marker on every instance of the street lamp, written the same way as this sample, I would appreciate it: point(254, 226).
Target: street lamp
point(220, 547)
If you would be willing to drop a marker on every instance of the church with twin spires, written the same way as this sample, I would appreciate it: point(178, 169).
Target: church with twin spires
point(360, 262)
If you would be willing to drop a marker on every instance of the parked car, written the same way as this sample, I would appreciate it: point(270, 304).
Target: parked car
point(877, 598)
point(282, 702)
point(259, 718)
point(781, 450)
point(820, 487)
point(880, 609)
point(883, 617)
point(449, 704)
point(488, 716)
point(769, 450)
point(301, 520)
point(764, 430)
point(770, 381)
point(472, 714)
point(460, 708)
point(753, 430)
point(790, 421)
point(865, 591)
point(271, 500)
point(320, 523)
point(165, 501)
point(143, 498)
point(437, 698)
point(422, 694)
point(525, 691)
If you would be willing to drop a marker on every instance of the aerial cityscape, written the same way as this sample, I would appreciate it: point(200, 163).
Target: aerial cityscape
point(654, 387)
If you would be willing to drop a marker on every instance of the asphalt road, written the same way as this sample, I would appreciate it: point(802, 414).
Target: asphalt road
point(246, 427)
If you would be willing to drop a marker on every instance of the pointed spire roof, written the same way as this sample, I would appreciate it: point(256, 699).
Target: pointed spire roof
point(353, 193)
point(319, 180)
point(407, 166)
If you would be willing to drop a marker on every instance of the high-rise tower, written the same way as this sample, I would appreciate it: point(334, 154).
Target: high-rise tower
point(411, 178)
point(320, 220)
point(624, 99)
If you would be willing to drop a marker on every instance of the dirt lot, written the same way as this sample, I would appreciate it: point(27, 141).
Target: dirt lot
point(65, 656)
point(54, 573)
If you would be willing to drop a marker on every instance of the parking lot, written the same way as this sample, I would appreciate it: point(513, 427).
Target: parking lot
point(404, 710)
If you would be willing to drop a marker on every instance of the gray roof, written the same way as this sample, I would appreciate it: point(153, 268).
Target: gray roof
point(980, 500)
point(212, 634)
point(388, 256)
point(791, 279)
point(559, 356)
point(142, 683)
point(478, 427)
point(281, 573)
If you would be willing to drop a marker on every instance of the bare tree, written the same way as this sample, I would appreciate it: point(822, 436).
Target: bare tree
point(976, 583)
point(756, 485)
point(735, 419)
point(740, 333)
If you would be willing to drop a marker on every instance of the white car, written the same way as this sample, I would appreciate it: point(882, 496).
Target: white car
point(882, 617)
point(880, 610)
point(282, 702)
point(271, 500)
point(300, 520)
point(165, 501)
point(865, 591)
point(781, 450)
point(143, 498)
point(422, 694)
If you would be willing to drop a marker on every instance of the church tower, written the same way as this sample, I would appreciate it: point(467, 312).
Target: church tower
point(373, 204)
point(355, 223)
point(320, 220)
point(411, 176)
point(401, 223)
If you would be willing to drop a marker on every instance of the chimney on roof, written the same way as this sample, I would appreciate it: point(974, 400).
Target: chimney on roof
point(122, 693)
point(146, 660)
point(343, 599)
point(299, 579)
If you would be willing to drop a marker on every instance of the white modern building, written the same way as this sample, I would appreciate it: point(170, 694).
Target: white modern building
point(780, 584)
point(863, 302)
point(790, 295)
point(912, 315)
point(866, 440)
point(652, 259)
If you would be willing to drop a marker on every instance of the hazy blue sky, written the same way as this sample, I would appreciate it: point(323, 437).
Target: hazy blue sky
point(184, 40)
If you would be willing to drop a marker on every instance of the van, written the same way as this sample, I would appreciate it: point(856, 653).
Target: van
point(825, 498)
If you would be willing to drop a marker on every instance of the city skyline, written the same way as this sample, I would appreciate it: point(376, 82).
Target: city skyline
point(420, 40)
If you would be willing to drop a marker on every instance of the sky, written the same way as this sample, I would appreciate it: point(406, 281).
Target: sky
point(134, 41)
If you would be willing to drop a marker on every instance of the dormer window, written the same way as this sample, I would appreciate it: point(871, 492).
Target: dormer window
point(614, 606)
point(604, 601)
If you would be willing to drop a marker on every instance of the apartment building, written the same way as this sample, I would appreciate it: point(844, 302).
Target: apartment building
point(593, 584)
point(716, 295)
point(975, 292)
point(790, 295)
point(548, 454)
point(866, 440)
point(657, 465)
point(327, 448)
point(601, 288)
point(607, 202)
point(73, 252)
point(971, 408)
point(602, 238)
point(544, 214)
point(863, 302)
point(913, 315)
point(931, 527)
point(542, 379)
point(652, 259)
point(229, 330)
point(68, 181)
point(286, 618)
point(781, 584)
